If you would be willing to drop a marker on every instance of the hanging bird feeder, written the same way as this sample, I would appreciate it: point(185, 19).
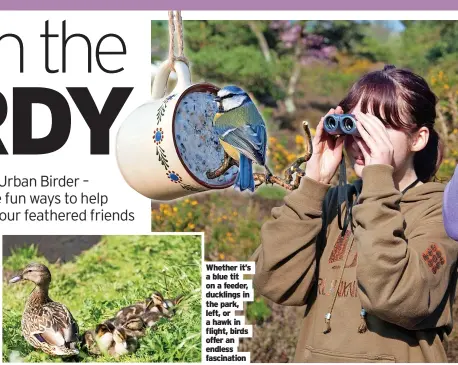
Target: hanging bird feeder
point(166, 146)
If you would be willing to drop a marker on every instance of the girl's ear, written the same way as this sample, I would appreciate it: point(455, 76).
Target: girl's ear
point(420, 139)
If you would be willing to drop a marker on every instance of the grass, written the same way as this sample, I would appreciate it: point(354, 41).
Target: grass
point(116, 272)
point(271, 192)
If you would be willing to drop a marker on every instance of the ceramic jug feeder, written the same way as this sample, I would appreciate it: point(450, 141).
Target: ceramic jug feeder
point(166, 146)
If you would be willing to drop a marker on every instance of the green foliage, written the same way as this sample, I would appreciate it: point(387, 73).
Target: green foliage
point(343, 34)
point(159, 40)
point(271, 192)
point(379, 43)
point(258, 311)
point(21, 257)
point(118, 271)
point(228, 52)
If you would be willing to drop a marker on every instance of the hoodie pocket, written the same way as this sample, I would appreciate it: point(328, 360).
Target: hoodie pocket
point(319, 355)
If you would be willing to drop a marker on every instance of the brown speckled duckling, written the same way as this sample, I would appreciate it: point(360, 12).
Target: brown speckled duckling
point(46, 325)
point(139, 308)
point(122, 344)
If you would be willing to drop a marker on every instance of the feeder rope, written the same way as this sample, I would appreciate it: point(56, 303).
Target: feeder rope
point(176, 24)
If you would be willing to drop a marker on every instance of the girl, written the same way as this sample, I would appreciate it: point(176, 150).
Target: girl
point(451, 207)
point(382, 288)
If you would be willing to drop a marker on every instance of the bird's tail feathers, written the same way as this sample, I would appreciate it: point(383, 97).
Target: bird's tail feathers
point(245, 178)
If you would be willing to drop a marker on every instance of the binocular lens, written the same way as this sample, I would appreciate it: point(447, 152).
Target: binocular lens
point(331, 123)
point(348, 124)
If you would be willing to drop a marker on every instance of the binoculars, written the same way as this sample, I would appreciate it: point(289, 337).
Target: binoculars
point(338, 124)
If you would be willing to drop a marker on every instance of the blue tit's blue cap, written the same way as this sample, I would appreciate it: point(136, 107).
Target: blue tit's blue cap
point(230, 89)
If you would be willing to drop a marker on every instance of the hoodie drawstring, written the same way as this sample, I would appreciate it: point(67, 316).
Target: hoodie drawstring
point(327, 317)
point(363, 325)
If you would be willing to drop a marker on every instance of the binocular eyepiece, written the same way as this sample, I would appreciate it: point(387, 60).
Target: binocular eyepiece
point(338, 124)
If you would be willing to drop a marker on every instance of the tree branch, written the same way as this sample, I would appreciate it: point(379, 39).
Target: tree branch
point(287, 182)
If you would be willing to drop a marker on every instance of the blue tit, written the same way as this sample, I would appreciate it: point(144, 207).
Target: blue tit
point(242, 133)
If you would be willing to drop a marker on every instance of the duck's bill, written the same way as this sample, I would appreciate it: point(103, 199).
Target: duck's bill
point(16, 279)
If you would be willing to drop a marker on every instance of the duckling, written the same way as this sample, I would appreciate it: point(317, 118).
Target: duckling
point(169, 305)
point(104, 333)
point(166, 309)
point(100, 340)
point(151, 318)
point(122, 344)
point(46, 325)
point(134, 327)
point(139, 308)
point(89, 340)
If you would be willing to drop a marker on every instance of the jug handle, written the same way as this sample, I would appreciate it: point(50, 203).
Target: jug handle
point(162, 76)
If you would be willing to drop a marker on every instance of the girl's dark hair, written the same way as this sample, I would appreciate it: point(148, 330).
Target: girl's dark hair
point(404, 101)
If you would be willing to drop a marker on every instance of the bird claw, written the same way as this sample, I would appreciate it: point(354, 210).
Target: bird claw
point(210, 174)
point(268, 176)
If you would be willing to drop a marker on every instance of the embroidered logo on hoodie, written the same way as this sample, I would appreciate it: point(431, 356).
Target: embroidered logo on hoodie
point(338, 252)
point(434, 257)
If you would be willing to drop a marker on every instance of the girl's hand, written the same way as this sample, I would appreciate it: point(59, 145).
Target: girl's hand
point(327, 153)
point(375, 143)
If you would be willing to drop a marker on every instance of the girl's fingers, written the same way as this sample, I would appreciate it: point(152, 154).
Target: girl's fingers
point(364, 148)
point(319, 131)
point(339, 110)
point(365, 135)
point(376, 130)
point(338, 146)
point(331, 111)
point(378, 126)
point(375, 127)
point(319, 134)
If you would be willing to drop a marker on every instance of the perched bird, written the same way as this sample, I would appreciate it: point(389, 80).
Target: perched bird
point(46, 325)
point(242, 133)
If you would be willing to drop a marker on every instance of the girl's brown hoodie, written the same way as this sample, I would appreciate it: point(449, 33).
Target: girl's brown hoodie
point(399, 266)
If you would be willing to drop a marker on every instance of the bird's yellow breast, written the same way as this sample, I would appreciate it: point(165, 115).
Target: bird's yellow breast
point(231, 151)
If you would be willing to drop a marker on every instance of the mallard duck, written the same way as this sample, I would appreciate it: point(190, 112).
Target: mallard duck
point(46, 325)
point(122, 344)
